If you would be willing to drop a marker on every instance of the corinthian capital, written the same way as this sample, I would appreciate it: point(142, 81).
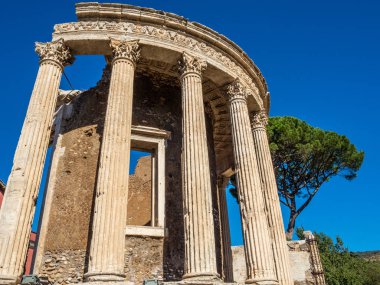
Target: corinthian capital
point(125, 49)
point(56, 51)
point(190, 64)
point(236, 91)
point(259, 119)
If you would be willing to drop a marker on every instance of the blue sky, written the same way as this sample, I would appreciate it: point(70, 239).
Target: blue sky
point(320, 59)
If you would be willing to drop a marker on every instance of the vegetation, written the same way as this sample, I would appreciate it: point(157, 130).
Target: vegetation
point(306, 157)
point(342, 267)
point(373, 255)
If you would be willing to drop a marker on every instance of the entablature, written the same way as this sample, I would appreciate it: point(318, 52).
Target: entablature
point(163, 37)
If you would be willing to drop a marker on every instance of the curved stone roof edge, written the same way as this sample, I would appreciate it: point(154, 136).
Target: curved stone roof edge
point(94, 11)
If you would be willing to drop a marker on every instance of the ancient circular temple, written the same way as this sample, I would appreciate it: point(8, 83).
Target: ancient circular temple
point(196, 105)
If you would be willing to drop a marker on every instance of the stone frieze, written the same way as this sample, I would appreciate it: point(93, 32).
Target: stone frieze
point(164, 35)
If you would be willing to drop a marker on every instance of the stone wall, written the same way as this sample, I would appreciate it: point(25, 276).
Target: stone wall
point(300, 263)
point(64, 266)
point(159, 105)
point(140, 193)
point(143, 259)
point(65, 250)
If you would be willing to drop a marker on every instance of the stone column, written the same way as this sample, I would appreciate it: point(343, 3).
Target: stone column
point(272, 202)
point(257, 244)
point(200, 258)
point(317, 268)
point(17, 212)
point(225, 230)
point(110, 215)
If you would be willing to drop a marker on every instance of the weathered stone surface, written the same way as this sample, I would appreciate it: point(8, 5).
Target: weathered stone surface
point(140, 193)
point(73, 195)
point(63, 266)
point(200, 254)
point(143, 259)
point(107, 245)
point(315, 258)
point(259, 257)
point(76, 172)
point(300, 263)
point(17, 211)
point(238, 264)
point(158, 108)
point(259, 121)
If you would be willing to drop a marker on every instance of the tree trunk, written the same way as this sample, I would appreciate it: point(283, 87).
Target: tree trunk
point(291, 225)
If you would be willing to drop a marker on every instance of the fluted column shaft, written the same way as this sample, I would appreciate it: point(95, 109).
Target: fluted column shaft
point(258, 253)
point(272, 202)
point(317, 268)
point(110, 214)
point(200, 258)
point(225, 230)
point(17, 211)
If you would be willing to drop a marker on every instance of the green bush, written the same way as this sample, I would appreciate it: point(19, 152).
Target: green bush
point(342, 267)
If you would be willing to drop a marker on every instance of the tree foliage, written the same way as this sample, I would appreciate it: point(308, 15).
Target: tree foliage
point(304, 158)
point(342, 267)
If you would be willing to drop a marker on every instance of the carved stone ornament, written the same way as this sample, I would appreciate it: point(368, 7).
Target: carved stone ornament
point(161, 34)
point(125, 49)
point(56, 51)
point(190, 64)
point(236, 91)
point(259, 119)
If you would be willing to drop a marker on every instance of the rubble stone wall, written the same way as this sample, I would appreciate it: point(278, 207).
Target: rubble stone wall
point(143, 259)
point(64, 266)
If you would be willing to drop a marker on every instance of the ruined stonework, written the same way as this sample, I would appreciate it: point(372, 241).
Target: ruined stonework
point(73, 195)
point(301, 263)
point(139, 193)
point(198, 104)
point(64, 267)
point(143, 259)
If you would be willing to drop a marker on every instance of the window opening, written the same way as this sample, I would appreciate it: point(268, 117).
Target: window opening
point(146, 190)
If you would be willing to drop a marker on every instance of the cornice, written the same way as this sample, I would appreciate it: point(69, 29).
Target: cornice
point(165, 26)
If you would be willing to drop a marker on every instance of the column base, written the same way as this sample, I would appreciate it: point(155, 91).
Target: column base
point(201, 278)
point(8, 280)
point(261, 282)
point(105, 278)
point(198, 282)
point(125, 282)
